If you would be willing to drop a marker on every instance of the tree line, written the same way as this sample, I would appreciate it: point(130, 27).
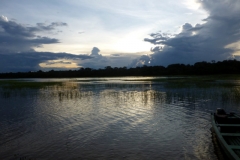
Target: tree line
point(199, 68)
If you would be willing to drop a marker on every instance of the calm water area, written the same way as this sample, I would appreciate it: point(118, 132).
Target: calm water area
point(113, 118)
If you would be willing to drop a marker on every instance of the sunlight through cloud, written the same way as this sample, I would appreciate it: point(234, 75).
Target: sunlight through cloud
point(61, 63)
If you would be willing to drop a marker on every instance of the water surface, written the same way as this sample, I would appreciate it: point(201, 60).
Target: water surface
point(113, 118)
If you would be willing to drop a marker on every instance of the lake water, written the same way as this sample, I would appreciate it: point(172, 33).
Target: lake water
point(113, 118)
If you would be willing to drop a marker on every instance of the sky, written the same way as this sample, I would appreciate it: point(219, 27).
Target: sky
point(70, 34)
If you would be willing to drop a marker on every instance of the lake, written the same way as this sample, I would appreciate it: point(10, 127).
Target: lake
point(112, 118)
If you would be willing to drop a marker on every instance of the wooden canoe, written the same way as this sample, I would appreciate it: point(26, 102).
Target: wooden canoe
point(227, 130)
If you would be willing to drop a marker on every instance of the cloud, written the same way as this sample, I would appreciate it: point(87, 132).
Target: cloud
point(34, 61)
point(15, 37)
point(29, 61)
point(99, 61)
point(202, 42)
point(115, 55)
point(3, 18)
point(95, 52)
point(17, 43)
point(143, 60)
point(44, 27)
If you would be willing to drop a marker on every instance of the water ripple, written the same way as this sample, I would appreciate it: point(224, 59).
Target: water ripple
point(109, 121)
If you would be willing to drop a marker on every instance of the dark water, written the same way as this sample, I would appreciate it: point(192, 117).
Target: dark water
point(113, 119)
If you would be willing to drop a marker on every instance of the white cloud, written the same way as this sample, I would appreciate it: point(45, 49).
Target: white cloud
point(4, 18)
point(113, 26)
point(216, 39)
point(235, 47)
point(192, 4)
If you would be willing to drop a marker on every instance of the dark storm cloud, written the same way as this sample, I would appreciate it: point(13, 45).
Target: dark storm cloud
point(15, 37)
point(17, 44)
point(44, 27)
point(29, 61)
point(202, 42)
point(96, 61)
point(143, 60)
point(100, 61)
point(158, 38)
point(95, 52)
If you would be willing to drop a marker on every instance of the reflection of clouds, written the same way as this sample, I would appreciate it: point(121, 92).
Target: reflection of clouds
point(72, 90)
point(128, 109)
point(131, 103)
point(103, 100)
point(143, 117)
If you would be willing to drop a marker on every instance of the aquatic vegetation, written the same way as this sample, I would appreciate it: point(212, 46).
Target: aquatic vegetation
point(20, 84)
point(175, 110)
point(188, 78)
point(195, 81)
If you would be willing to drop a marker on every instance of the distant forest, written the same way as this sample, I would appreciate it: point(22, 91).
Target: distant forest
point(199, 68)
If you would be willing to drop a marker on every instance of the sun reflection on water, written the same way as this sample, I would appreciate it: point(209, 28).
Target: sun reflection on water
point(101, 119)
